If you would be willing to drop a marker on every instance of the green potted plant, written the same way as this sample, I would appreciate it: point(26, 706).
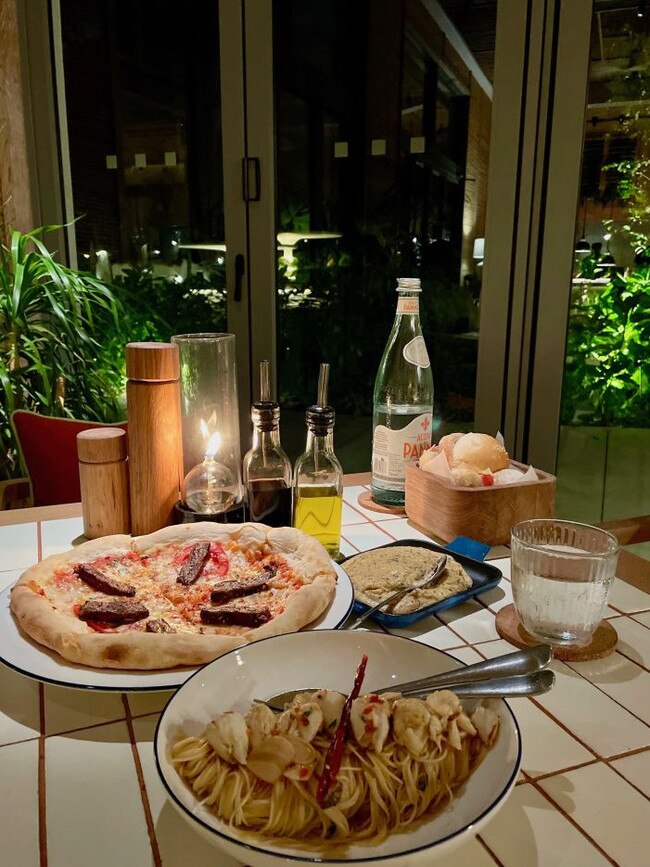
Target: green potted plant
point(54, 321)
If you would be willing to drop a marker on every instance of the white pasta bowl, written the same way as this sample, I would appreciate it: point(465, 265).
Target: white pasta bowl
point(329, 659)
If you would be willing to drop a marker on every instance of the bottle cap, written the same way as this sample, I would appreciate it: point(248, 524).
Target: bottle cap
point(320, 418)
point(409, 284)
point(101, 445)
point(265, 414)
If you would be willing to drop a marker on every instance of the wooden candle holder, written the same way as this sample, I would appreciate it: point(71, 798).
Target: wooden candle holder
point(487, 514)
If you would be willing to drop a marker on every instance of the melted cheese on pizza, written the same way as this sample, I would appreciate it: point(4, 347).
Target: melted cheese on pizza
point(154, 577)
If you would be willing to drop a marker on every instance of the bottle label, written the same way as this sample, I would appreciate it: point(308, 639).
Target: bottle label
point(392, 449)
point(408, 305)
point(415, 352)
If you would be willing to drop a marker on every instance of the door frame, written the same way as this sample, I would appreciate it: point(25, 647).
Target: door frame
point(526, 289)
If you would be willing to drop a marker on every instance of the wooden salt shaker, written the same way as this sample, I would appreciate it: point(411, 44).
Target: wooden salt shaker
point(155, 444)
point(104, 477)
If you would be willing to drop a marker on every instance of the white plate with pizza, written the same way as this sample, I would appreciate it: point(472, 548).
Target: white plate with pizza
point(142, 614)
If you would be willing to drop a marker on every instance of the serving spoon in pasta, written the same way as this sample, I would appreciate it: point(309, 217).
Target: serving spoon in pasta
point(520, 673)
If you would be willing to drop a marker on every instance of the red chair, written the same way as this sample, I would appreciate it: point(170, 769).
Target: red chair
point(49, 451)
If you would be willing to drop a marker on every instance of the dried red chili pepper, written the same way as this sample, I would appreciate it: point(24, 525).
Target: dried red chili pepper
point(335, 751)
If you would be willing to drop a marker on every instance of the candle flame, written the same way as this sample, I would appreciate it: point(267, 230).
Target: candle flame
point(213, 442)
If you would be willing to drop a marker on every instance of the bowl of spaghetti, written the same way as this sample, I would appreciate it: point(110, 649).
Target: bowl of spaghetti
point(342, 775)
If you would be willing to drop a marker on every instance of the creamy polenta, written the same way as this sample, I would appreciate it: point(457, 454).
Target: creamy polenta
point(378, 573)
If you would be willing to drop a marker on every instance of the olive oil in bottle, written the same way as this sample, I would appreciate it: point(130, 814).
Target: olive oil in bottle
point(318, 476)
point(267, 469)
point(318, 513)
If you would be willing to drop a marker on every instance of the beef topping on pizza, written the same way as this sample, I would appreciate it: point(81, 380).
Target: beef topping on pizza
point(98, 581)
point(159, 625)
point(234, 588)
point(193, 566)
point(115, 611)
point(230, 615)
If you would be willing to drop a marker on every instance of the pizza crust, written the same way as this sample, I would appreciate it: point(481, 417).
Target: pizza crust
point(75, 641)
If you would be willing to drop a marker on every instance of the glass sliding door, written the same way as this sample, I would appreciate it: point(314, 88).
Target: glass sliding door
point(140, 82)
point(382, 136)
point(604, 443)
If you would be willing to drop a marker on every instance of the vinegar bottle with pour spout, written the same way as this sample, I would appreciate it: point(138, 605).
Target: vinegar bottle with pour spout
point(318, 476)
point(267, 469)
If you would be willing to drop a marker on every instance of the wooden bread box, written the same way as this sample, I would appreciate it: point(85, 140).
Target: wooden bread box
point(487, 514)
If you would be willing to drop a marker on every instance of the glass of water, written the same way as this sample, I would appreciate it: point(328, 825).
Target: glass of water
point(562, 572)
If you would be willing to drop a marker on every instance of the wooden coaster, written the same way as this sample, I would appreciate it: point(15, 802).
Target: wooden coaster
point(510, 627)
point(366, 500)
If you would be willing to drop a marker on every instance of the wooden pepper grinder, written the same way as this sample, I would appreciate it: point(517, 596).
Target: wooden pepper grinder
point(155, 444)
point(104, 477)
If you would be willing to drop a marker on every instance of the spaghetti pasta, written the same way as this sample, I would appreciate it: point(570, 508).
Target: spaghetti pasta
point(403, 758)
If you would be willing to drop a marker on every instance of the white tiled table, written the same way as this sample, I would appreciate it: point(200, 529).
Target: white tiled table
point(78, 784)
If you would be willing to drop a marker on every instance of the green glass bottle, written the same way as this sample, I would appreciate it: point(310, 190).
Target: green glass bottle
point(402, 399)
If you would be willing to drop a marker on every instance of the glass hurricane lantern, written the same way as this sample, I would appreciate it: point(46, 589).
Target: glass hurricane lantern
point(212, 488)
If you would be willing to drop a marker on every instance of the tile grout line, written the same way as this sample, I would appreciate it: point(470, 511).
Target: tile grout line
point(629, 782)
point(549, 774)
point(364, 519)
point(640, 664)
point(568, 731)
point(610, 697)
point(155, 851)
point(369, 520)
point(556, 720)
point(570, 818)
point(625, 755)
point(21, 741)
point(476, 647)
point(598, 759)
point(42, 794)
point(85, 728)
point(632, 617)
point(351, 544)
point(489, 851)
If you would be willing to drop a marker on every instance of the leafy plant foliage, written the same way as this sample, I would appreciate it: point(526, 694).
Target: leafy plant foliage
point(607, 373)
point(63, 332)
point(52, 358)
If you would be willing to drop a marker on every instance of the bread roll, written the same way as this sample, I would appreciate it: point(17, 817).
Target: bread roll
point(480, 452)
point(447, 443)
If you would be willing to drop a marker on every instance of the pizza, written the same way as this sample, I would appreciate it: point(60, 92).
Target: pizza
point(180, 596)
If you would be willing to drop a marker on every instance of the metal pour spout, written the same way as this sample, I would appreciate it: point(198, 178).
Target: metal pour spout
point(323, 380)
point(265, 381)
